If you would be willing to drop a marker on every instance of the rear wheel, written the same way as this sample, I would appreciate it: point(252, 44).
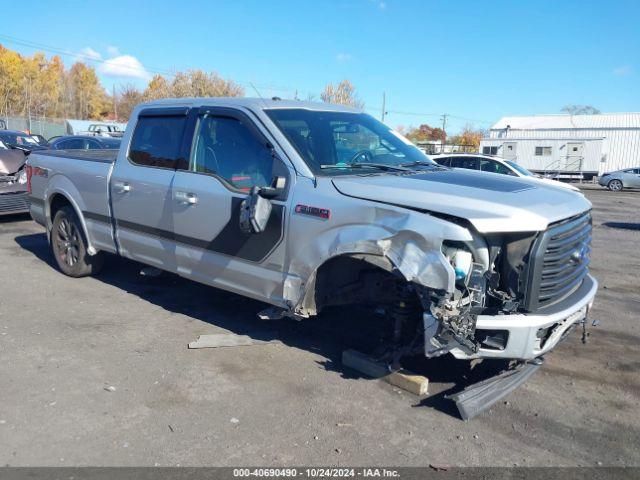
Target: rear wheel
point(615, 185)
point(69, 245)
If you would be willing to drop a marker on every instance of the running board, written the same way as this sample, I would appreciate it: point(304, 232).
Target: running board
point(478, 397)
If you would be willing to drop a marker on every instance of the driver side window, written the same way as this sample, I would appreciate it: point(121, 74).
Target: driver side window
point(226, 148)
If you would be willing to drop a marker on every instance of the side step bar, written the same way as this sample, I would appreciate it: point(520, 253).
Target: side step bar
point(476, 398)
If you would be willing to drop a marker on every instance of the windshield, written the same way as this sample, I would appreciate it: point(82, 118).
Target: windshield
point(519, 168)
point(343, 142)
point(18, 139)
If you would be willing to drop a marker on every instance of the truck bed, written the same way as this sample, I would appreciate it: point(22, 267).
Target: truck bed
point(83, 177)
point(97, 155)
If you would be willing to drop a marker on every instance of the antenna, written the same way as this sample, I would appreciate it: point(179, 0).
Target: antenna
point(261, 98)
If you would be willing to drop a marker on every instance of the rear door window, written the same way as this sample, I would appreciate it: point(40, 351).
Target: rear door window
point(73, 144)
point(157, 141)
point(470, 163)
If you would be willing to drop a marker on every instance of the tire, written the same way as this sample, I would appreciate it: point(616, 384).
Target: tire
point(69, 246)
point(615, 185)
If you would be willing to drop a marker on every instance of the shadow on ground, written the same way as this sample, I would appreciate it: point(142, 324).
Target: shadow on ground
point(335, 330)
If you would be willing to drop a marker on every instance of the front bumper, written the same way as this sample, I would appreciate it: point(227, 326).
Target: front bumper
point(532, 335)
point(13, 199)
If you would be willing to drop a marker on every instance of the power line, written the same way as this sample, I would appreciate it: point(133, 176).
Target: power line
point(172, 73)
point(91, 58)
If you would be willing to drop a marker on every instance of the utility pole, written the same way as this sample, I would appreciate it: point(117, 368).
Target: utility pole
point(384, 106)
point(444, 129)
point(115, 103)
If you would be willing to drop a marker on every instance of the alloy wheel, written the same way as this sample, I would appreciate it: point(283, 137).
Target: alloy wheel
point(68, 242)
point(615, 185)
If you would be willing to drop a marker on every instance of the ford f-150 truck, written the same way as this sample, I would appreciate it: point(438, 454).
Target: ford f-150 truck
point(304, 205)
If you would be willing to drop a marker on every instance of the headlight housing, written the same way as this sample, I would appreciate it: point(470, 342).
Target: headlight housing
point(22, 176)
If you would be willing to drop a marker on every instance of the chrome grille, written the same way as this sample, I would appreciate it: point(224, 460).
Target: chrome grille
point(561, 257)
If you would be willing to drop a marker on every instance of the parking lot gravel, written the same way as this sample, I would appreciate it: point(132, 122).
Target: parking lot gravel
point(96, 371)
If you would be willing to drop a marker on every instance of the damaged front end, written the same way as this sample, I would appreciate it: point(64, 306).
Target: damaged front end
point(13, 180)
point(449, 319)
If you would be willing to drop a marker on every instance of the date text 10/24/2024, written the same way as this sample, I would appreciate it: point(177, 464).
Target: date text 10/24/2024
point(316, 472)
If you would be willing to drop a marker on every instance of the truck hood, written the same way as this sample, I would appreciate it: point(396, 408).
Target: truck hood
point(11, 161)
point(492, 203)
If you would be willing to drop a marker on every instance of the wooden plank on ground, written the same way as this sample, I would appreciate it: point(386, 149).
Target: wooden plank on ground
point(409, 381)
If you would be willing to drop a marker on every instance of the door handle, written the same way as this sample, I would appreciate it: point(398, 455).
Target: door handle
point(122, 187)
point(186, 197)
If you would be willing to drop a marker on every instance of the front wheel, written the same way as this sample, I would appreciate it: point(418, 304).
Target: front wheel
point(69, 245)
point(615, 185)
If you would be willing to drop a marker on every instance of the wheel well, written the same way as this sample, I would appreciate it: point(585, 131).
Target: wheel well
point(351, 279)
point(56, 203)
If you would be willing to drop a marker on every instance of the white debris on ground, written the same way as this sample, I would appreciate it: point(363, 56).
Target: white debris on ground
point(217, 340)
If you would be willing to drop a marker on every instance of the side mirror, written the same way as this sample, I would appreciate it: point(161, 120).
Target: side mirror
point(255, 210)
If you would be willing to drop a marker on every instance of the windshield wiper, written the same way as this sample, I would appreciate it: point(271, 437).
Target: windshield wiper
point(379, 166)
point(419, 163)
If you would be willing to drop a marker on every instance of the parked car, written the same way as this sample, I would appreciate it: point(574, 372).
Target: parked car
point(616, 181)
point(81, 142)
point(13, 181)
point(40, 139)
point(493, 164)
point(20, 141)
point(103, 130)
point(251, 196)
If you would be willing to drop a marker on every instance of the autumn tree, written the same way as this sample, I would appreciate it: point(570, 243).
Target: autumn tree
point(129, 97)
point(88, 98)
point(470, 136)
point(11, 69)
point(192, 83)
point(425, 132)
point(344, 93)
point(158, 87)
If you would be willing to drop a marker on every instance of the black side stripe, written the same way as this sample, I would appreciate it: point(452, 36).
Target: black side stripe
point(230, 241)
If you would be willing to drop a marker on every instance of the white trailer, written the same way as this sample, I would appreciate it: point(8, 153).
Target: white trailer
point(568, 146)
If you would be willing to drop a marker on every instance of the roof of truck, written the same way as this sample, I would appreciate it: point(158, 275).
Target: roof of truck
point(251, 103)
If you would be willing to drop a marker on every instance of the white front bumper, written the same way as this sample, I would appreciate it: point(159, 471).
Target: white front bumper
point(524, 341)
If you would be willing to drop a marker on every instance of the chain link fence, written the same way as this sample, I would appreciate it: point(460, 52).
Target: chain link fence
point(47, 127)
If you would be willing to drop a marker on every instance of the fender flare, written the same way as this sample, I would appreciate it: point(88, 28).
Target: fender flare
point(48, 197)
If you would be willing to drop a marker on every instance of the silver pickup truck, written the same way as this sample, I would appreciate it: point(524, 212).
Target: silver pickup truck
point(304, 205)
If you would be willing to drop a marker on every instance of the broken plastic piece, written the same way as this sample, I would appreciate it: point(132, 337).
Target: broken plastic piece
point(478, 397)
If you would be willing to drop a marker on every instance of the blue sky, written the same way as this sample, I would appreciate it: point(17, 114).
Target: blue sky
point(474, 60)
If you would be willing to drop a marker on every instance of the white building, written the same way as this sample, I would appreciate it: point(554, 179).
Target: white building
point(571, 145)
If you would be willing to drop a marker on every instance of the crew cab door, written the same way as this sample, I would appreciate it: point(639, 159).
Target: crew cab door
point(141, 195)
point(229, 155)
